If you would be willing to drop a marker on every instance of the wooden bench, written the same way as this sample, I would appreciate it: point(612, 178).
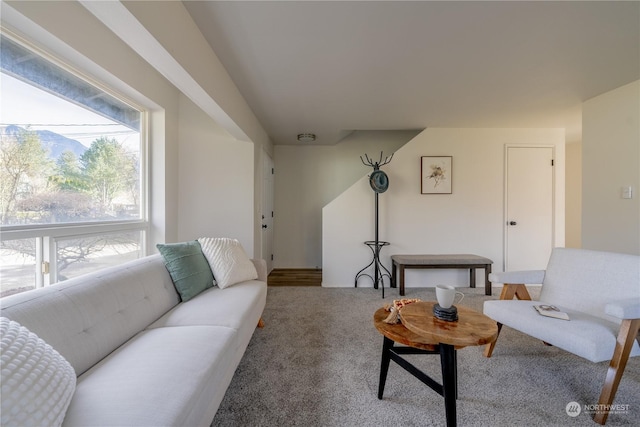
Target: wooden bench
point(402, 262)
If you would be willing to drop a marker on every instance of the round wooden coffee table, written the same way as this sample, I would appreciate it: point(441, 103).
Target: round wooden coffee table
point(425, 334)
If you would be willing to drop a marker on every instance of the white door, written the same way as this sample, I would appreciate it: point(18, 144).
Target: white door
point(267, 210)
point(528, 207)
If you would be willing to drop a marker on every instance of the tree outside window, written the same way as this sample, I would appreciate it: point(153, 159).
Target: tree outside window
point(70, 160)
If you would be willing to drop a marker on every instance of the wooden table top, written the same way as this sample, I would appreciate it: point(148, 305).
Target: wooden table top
point(399, 333)
point(472, 327)
point(432, 259)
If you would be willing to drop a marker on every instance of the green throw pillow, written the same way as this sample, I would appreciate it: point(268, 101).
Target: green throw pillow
point(188, 268)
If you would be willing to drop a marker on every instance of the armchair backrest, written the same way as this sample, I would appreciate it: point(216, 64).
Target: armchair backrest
point(586, 280)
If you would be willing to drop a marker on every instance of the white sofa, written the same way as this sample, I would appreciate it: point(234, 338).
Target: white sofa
point(600, 291)
point(142, 357)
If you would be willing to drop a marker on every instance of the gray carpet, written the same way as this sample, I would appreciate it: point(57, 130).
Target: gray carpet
point(317, 361)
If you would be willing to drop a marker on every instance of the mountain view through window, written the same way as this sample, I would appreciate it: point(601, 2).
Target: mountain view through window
point(62, 163)
point(71, 166)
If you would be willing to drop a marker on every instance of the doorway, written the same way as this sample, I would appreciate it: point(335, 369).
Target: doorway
point(529, 207)
point(267, 210)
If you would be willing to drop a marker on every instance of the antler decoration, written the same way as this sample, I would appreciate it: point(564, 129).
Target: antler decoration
point(376, 165)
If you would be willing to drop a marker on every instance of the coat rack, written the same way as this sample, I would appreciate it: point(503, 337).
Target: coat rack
point(379, 183)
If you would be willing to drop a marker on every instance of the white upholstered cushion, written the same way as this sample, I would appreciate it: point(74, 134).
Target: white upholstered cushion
point(89, 316)
point(228, 261)
point(238, 307)
point(174, 376)
point(37, 382)
point(233, 307)
point(584, 335)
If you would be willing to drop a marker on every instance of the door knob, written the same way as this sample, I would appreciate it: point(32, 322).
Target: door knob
point(264, 225)
point(512, 223)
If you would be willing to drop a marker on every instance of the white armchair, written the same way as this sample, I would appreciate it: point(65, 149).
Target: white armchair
point(601, 293)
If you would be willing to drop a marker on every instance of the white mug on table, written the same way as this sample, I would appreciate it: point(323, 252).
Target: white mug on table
point(446, 295)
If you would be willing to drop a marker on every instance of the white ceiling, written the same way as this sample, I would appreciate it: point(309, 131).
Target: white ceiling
point(333, 67)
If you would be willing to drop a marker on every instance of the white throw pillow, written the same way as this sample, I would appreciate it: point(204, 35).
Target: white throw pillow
point(228, 261)
point(37, 382)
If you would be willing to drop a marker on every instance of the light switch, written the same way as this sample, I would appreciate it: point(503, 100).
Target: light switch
point(627, 192)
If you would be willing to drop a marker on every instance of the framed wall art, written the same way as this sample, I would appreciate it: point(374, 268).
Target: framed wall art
point(435, 174)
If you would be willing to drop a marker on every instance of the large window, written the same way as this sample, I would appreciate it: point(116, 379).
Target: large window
point(72, 187)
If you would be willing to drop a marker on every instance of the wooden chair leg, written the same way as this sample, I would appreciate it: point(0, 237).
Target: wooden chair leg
point(488, 349)
point(626, 337)
point(509, 290)
point(522, 293)
point(261, 323)
point(518, 290)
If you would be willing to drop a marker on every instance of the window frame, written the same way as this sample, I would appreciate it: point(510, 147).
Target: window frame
point(48, 234)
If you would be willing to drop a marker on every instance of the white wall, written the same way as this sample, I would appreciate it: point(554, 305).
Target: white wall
point(201, 77)
point(74, 34)
point(215, 180)
point(188, 47)
point(611, 161)
point(307, 178)
point(468, 221)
